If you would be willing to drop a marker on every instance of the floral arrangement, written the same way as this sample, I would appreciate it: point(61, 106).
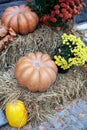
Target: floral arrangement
point(56, 13)
point(72, 51)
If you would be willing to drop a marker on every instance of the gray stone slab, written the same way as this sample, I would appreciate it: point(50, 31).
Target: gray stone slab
point(3, 120)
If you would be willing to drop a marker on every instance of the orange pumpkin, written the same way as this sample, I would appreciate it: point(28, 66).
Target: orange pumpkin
point(20, 18)
point(36, 71)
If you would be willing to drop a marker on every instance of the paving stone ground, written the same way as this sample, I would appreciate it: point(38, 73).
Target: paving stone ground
point(71, 117)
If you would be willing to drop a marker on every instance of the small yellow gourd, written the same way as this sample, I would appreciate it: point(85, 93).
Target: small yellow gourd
point(16, 113)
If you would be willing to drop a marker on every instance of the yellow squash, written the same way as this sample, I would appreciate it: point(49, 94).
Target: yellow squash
point(16, 113)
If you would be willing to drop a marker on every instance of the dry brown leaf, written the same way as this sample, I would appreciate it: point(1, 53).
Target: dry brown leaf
point(2, 45)
point(41, 128)
point(12, 32)
point(27, 127)
point(81, 115)
point(58, 109)
point(3, 31)
point(52, 126)
point(6, 38)
point(6, 35)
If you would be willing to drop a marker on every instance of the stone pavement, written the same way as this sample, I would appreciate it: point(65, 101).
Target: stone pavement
point(71, 117)
point(3, 120)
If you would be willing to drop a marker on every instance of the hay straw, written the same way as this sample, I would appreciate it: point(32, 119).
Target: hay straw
point(40, 106)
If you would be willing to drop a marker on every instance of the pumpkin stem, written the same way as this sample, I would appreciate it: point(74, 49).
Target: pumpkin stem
point(14, 103)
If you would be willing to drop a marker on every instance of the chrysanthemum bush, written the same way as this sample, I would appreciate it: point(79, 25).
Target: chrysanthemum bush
point(56, 13)
point(72, 51)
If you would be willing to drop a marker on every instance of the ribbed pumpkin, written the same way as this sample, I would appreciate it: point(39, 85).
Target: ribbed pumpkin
point(36, 71)
point(20, 18)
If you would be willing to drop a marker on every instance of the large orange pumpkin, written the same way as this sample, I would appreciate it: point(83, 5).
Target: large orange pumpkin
point(36, 71)
point(20, 18)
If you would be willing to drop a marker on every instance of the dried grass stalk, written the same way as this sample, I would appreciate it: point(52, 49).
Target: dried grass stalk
point(40, 106)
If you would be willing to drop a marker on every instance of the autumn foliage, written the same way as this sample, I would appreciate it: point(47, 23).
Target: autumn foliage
point(56, 12)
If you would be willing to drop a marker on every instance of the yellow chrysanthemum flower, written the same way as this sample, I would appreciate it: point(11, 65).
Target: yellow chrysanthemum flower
point(72, 51)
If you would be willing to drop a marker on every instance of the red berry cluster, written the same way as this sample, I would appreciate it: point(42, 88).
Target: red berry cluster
point(63, 12)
